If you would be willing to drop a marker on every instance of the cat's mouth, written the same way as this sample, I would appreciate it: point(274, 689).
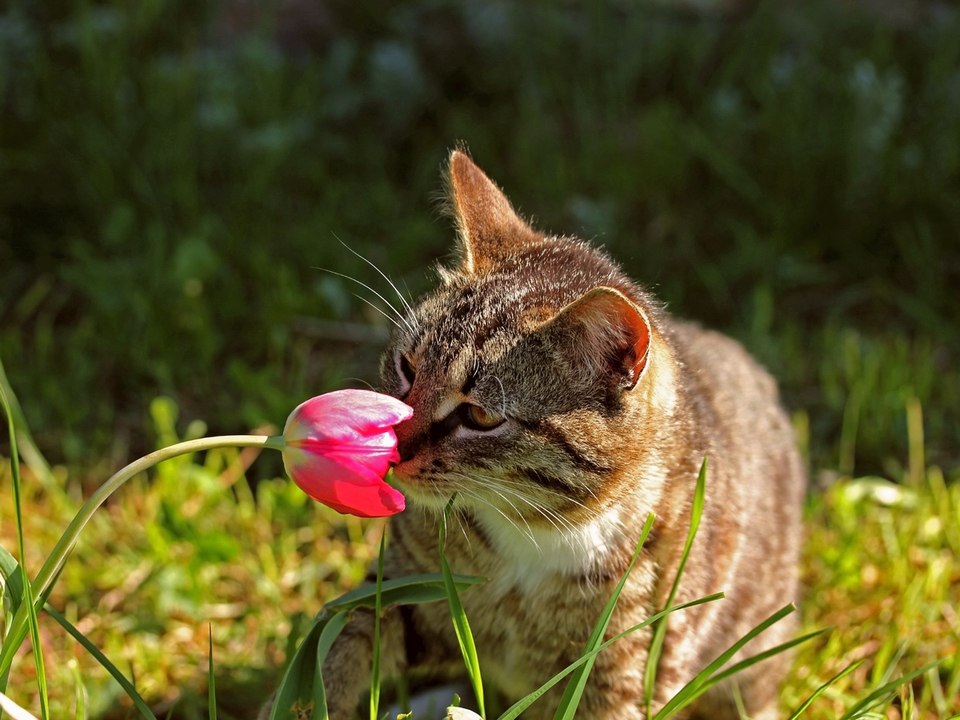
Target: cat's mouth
point(408, 479)
point(423, 489)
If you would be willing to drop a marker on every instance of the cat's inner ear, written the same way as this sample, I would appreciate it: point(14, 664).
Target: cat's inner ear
point(607, 332)
point(490, 229)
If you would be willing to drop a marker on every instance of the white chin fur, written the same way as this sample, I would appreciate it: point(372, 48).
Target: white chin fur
point(532, 554)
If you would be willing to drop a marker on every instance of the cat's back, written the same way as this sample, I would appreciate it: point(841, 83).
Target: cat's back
point(718, 370)
point(737, 404)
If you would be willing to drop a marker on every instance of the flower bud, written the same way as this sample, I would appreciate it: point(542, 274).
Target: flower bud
point(339, 446)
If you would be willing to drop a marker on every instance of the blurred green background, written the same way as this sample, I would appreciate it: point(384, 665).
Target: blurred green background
point(174, 174)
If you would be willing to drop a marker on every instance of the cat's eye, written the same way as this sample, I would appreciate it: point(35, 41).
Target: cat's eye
point(406, 372)
point(406, 369)
point(477, 418)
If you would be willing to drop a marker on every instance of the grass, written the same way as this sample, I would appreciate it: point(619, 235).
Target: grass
point(189, 546)
point(191, 560)
point(461, 624)
point(883, 570)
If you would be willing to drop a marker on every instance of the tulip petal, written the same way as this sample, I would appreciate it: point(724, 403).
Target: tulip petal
point(373, 453)
point(349, 492)
point(347, 414)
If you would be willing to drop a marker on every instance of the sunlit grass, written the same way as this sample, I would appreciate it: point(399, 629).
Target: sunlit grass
point(188, 551)
point(193, 551)
point(882, 568)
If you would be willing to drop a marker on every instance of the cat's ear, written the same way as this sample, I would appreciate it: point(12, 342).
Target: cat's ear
point(608, 332)
point(490, 229)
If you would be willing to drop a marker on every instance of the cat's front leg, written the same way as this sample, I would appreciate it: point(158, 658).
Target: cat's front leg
point(346, 670)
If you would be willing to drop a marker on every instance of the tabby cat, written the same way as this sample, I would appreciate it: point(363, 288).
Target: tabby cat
point(562, 404)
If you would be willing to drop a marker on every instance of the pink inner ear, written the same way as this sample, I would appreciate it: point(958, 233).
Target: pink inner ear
point(640, 333)
point(612, 321)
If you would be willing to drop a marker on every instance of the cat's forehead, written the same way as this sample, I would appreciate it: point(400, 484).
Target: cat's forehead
point(480, 320)
point(473, 320)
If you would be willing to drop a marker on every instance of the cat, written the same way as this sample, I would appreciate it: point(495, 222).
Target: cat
point(560, 403)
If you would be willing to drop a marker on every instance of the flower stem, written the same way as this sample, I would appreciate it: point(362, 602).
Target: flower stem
point(55, 561)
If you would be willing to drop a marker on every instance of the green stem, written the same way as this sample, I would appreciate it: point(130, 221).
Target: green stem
point(27, 599)
point(54, 563)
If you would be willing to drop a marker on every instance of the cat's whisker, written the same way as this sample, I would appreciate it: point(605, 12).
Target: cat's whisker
point(561, 524)
point(507, 500)
point(528, 533)
point(403, 300)
point(518, 490)
point(591, 513)
point(399, 316)
point(458, 514)
point(361, 381)
point(378, 309)
point(503, 396)
point(570, 531)
point(555, 493)
point(473, 494)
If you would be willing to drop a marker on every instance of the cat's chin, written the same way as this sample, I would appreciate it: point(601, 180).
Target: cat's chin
point(427, 502)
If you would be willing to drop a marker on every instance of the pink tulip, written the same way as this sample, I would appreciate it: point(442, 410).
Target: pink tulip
point(339, 446)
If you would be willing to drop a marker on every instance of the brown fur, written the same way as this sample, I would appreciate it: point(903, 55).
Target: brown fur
point(609, 406)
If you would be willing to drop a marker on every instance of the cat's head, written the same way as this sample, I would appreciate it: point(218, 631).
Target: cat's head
point(524, 368)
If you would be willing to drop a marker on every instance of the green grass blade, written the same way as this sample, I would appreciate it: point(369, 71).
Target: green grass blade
point(211, 680)
point(576, 685)
point(98, 655)
point(27, 448)
point(27, 590)
point(885, 690)
point(461, 625)
point(12, 581)
point(12, 597)
point(378, 610)
point(79, 694)
point(300, 673)
point(302, 682)
point(701, 681)
point(525, 702)
point(659, 634)
point(764, 655)
point(802, 707)
point(328, 635)
point(408, 590)
point(42, 584)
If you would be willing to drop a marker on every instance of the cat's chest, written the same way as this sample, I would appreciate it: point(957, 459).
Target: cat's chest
point(526, 559)
point(538, 604)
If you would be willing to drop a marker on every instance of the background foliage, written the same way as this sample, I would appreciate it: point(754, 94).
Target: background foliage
point(176, 172)
point(173, 175)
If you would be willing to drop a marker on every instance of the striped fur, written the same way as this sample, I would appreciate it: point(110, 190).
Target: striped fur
point(606, 407)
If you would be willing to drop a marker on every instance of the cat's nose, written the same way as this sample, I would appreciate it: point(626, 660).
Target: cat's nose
point(410, 440)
